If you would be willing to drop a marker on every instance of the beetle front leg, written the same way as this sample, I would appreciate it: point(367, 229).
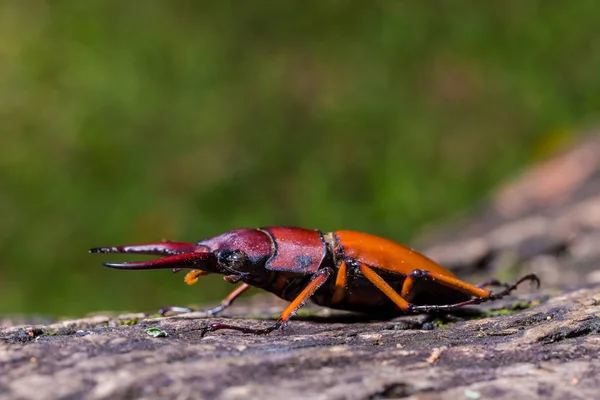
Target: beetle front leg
point(226, 302)
point(318, 280)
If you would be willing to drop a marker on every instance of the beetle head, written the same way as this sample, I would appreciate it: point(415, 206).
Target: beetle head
point(233, 253)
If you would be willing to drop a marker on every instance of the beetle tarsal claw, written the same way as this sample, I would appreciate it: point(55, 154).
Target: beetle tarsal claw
point(533, 279)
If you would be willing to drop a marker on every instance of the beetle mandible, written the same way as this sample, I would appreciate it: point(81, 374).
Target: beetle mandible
point(344, 270)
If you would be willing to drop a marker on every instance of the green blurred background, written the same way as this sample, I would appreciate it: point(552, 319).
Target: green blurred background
point(126, 122)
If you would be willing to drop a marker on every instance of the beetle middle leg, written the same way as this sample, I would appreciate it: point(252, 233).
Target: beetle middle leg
point(340, 284)
point(226, 302)
point(317, 281)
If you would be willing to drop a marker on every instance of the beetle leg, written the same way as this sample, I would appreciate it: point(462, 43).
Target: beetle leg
point(340, 284)
point(319, 278)
point(382, 285)
point(403, 304)
point(449, 281)
point(476, 300)
point(174, 309)
point(227, 301)
point(493, 282)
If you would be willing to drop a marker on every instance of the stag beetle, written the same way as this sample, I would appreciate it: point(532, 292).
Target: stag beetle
point(343, 270)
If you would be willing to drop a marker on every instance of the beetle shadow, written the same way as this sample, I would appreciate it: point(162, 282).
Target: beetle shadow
point(458, 315)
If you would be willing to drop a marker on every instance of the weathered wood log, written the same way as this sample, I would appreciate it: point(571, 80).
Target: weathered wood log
point(538, 344)
point(550, 349)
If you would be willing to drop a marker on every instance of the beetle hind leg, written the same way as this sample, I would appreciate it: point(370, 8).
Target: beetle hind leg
point(318, 280)
point(402, 300)
point(493, 282)
point(408, 288)
point(476, 300)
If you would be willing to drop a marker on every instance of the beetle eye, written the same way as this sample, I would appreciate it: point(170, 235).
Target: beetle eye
point(233, 259)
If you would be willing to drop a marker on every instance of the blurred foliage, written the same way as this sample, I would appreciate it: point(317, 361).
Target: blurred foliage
point(126, 122)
